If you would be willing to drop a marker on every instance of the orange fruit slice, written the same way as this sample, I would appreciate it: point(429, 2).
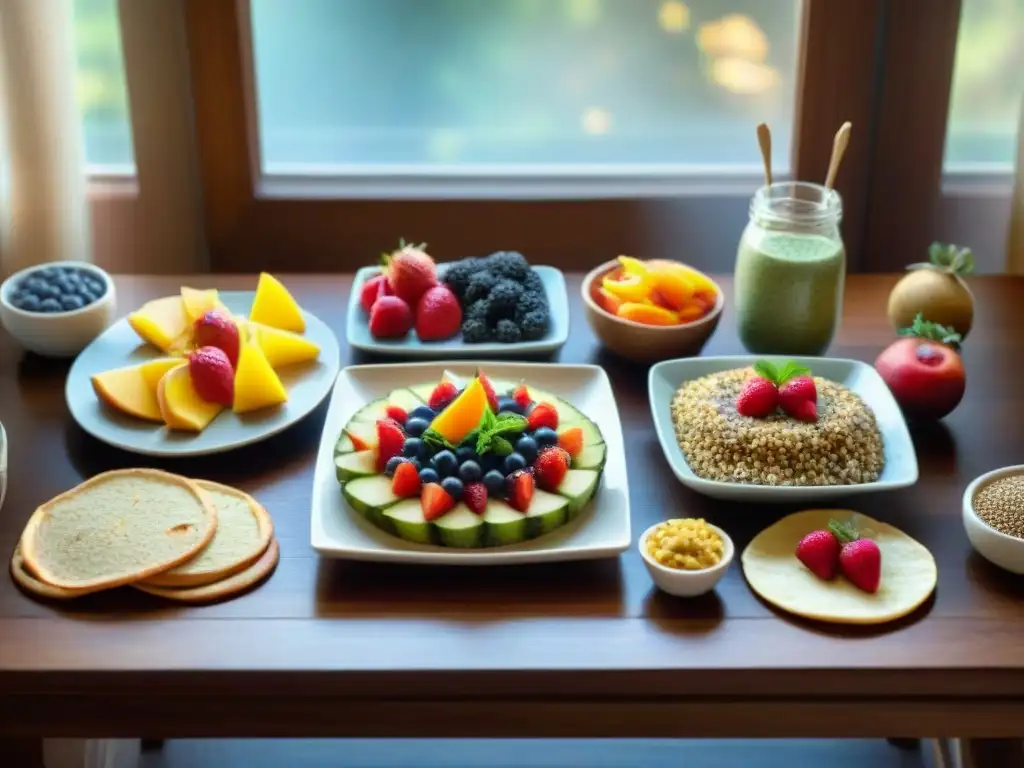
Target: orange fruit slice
point(648, 314)
point(275, 306)
point(256, 384)
point(463, 414)
point(628, 287)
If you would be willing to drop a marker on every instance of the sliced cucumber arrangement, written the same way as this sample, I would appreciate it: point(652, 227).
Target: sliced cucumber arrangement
point(460, 528)
point(578, 487)
point(352, 465)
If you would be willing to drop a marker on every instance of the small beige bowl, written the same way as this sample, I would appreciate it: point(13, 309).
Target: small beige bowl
point(646, 343)
point(998, 548)
point(682, 583)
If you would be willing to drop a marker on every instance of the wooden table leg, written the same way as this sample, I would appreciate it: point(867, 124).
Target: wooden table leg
point(21, 753)
point(991, 753)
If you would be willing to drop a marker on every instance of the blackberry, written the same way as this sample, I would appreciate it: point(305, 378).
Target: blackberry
point(503, 299)
point(507, 332)
point(475, 332)
point(529, 303)
point(480, 285)
point(533, 283)
point(457, 274)
point(478, 310)
point(534, 325)
point(509, 264)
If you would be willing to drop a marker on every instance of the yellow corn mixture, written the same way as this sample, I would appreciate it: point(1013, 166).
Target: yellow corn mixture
point(689, 545)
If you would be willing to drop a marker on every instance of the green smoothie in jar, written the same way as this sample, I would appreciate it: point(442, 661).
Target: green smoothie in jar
point(790, 269)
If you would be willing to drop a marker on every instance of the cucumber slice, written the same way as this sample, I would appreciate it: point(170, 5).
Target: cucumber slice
point(591, 434)
point(363, 433)
point(578, 487)
point(344, 445)
point(503, 525)
point(370, 412)
point(568, 414)
point(406, 518)
point(591, 457)
point(547, 511)
point(370, 496)
point(349, 466)
point(460, 528)
point(405, 399)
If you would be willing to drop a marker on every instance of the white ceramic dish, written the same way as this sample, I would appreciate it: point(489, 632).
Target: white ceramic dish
point(58, 334)
point(900, 460)
point(357, 327)
point(687, 583)
point(998, 548)
point(601, 530)
point(119, 346)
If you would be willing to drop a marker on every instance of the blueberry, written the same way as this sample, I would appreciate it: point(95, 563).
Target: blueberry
point(88, 296)
point(453, 486)
point(392, 465)
point(48, 291)
point(513, 462)
point(466, 453)
point(445, 463)
point(545, 436)
point(491, 461)
point(49, 305)
point(48, 273)
point(495, 482)
point(34, 284)
point(424, 412)
point(30, 302)
point(94, 285)
point(71, 303)
point(428, 475)
point(527, 447)
point(470, 472)
point(66, 285)
point(416, 426)
point(414, 448)
point(510, 405)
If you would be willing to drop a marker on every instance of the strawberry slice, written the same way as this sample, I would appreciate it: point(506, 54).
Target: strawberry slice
point(442, 395)
point(492, 396)
point(570, 440)
point(372, 290)
point(522, 395)
point(542, 415)
point(396, 413)
point(521, 490)
point(550, 467)
point(475, 497)
point(435, 501)
point(406, 482)
point(390, 441)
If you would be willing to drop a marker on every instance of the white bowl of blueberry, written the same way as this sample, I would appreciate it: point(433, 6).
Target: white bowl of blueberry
point(56, 309)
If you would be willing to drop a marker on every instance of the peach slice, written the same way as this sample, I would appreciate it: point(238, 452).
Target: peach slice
point(275, 306)
point(256, 384)
point(673, 284)
point(282, 348)
point(199, 301)
point(126, 390)
point(180, 405)
point(161, 322)
point(463, 415)
point(648, 314)
point(154, 370)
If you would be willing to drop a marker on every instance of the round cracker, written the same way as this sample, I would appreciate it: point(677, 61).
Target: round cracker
point(24, 578)
point(229, 587)
point(243, 534)
point(187, 533)
point(769, 562)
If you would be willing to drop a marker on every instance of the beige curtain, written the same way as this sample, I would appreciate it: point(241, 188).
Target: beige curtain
point(1015, 242)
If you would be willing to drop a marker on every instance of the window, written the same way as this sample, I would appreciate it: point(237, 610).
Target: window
point(449, 86)
point(988, 87)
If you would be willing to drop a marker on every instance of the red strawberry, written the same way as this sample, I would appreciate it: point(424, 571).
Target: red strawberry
point(798, 397)
point(492, 396)
point(522, 395)
point(803, 410)
point(390, 318)
point(542, 415)
point(819, 551)
point(435, 501)
point(550, 467)
point(860, 560)
point(475, 497)
point(406, 482)
point(411, 272)
point(442, 395)
point(438, 314)
point(571, 441)
point(217, 329)
point(520, 492)
point(371, 291)
point(758, 398)
point(396, 413)
point(212, 375)
point(390, 440)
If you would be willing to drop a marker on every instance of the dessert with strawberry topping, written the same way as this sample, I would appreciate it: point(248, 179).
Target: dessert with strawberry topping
point(776, 425)
point(485, 464)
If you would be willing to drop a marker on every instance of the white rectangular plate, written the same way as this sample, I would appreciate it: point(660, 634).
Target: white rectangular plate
point(357, 328)
point(601, 530)
point(900, 460)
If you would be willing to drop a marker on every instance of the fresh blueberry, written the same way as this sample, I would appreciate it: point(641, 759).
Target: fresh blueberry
point(414, 448)
point(94, 285)
point(48, 291)
point(428, 475)
point(48, 273)
point(34, 284)
point(470, 472)
point(71, 303)
point(49, 305)
point(545, 436)
point(510, 405)
point(513, 462)
point(466, 453)
point(453, 486)
point(392, 465)
point(88, 296)
point(445, 463)
point(30, 302)
point(416, 426)
point(424, 412)
point(527, 447)
point(495, 482)
point(66, 285)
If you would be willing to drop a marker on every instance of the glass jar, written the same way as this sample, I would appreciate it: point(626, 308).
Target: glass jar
point(790, 270)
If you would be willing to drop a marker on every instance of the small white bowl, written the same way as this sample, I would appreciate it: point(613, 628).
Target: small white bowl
point(998, 548)
point(682, 583)
point(57, 334)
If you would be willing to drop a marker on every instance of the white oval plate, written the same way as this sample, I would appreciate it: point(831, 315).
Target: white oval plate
point(119, 346)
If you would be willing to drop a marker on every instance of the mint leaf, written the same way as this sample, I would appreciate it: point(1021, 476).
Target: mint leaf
point(510, 424)
point(766, 370)
point(791, 369)
point(501, 447)
point(436, 441)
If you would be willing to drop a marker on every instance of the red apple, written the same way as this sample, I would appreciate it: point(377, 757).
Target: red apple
point(926, 377)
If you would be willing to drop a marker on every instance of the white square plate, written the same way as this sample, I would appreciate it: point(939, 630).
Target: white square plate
point(600, 530)
point(900, 469)
point(357, 327)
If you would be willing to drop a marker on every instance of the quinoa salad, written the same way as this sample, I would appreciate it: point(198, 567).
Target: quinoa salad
point(844, 446)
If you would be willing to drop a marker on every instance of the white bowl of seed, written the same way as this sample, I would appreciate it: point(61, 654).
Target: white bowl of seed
point(994, 517)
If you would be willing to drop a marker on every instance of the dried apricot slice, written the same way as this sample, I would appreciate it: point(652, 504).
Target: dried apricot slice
point(674, 285)
point(648, 314)
point(608, 301)
point(628, 287)
point(692, 312)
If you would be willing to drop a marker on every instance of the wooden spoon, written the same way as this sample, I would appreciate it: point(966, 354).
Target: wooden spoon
point(838, 150)
point(764, 141)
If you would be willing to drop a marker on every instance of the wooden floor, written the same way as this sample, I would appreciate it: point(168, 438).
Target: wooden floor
point(373, 753)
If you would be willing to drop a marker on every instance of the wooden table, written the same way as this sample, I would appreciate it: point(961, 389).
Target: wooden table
point(328, 648)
